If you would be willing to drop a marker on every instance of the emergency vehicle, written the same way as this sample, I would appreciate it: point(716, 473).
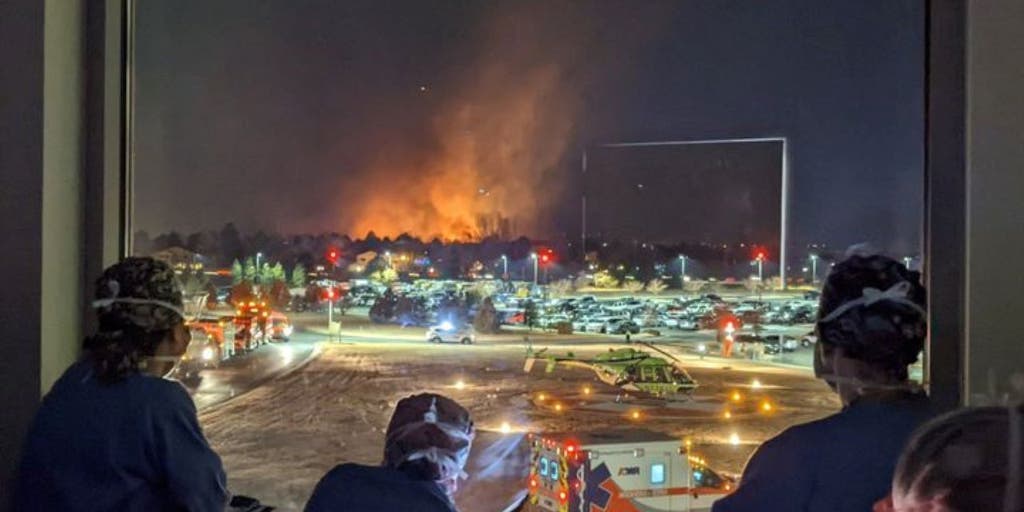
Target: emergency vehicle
point(251, 325)
point(619, 471)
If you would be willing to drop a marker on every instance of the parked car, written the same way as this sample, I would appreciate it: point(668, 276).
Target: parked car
point(777, 343)
point(809, 339)
point(687, 324)
point(596, 324)
point(446, 332)
point(620, 326)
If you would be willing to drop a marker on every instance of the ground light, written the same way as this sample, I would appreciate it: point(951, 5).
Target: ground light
point(635, 415)
point(727, 415)
point(558, 407)
point(736, 396)
point(734, 439)
point(506, 428)
point(586, 390)
point(460, 384)
point(755, 384)
point(541, 397)
point(766, 406)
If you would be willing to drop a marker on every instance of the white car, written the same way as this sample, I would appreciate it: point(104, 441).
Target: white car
point(595, 324)
point(808, 339)
point(687, 324)
point(446, 332)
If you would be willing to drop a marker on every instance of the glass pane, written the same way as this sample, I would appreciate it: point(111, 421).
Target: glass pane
point(635, 201)
point(657, 473)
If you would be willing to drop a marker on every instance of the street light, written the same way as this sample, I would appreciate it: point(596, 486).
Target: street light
point(682, 268)
point(256, 277)
point(814, 268)
point(387, 254)
point(504, 262)
point(533, 256)
point(906, 261)
point(760, 267)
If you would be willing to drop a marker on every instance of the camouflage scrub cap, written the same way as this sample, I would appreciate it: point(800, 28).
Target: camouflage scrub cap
point(874, 308)
point(141, 293)
point(433, 432)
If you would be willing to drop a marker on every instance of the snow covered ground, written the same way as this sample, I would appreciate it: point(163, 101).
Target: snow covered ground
point(279, 439)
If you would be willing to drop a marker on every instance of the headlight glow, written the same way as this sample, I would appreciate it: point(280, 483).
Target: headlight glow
point(208, 354)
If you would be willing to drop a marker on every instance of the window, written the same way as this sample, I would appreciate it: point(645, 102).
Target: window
point(657, 474)
point(667, 171)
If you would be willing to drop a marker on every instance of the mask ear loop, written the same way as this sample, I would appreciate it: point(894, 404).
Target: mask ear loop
point(1012, 498)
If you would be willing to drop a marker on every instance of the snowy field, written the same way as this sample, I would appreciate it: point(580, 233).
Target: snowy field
point(279, 439)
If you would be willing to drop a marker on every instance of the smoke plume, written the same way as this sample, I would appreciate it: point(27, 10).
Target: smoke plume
point(496, 163)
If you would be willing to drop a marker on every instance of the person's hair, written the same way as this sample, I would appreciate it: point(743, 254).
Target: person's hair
point(964, 458)
point(116, 354)
point(886, 335)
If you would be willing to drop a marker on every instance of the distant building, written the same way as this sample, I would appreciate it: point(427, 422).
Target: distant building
point(181, 259)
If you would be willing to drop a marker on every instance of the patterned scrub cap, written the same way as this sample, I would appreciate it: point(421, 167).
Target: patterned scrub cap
point(138, 292)
point(867, 302)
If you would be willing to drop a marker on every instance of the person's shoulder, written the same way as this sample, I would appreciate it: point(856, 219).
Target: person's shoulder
point(163, 393)
point(354, 486)
point(802, 434)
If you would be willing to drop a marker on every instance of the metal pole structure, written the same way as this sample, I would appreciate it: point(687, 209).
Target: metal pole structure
point(814, 269)
point(256, 276)
point(907, 260)
point(504, 262)
point(583, 236)
point(533, 256)
point(783, 229)
point(760, 270)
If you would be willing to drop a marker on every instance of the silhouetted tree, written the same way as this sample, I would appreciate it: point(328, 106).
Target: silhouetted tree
point(486, 319)
point(298, 279)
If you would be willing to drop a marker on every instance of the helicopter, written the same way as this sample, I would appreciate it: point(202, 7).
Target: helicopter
point(628, 368)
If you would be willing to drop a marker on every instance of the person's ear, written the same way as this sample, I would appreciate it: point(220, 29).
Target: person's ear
point(182, 337)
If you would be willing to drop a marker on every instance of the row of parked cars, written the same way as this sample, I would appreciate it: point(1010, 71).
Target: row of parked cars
point(632, 315)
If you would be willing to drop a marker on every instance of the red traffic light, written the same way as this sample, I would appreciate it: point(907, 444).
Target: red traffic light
point(544, 258)
point(332, 255)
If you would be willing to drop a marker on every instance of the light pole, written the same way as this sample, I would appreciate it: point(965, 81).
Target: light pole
point(330, 309)
point(760, 268)
point(814, 269)
point(533, 256)
point(906, 261)
point(504, 262)
point(682, 269)
point(256, 276)
point(387, 254)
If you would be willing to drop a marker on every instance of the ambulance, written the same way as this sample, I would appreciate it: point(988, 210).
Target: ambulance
point(619, 471)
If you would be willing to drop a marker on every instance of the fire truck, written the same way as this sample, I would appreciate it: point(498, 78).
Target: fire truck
point(251, 319)
point(619, 471)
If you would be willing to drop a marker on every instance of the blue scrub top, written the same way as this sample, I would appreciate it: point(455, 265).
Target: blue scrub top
point(133, 445)
point(376, 489)
point(841, 463)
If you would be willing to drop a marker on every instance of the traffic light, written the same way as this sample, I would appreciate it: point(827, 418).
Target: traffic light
point(333, 255)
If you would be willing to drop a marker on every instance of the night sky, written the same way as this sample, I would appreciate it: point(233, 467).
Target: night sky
point(428, 116)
